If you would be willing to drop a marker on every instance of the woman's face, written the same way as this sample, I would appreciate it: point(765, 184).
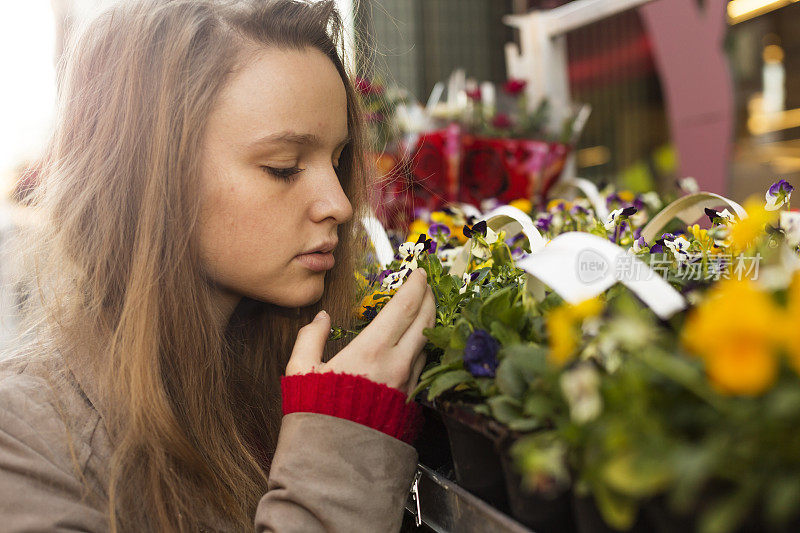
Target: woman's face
point(270, 195)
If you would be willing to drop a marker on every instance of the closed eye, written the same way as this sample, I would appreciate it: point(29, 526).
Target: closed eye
point(282, 173)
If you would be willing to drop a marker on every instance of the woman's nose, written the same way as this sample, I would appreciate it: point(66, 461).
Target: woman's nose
point(330, 200)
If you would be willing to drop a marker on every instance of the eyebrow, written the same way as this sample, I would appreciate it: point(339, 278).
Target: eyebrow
point(290, 137)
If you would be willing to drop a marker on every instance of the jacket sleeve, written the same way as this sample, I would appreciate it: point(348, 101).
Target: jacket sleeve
point(37, 492)
point(332, 474)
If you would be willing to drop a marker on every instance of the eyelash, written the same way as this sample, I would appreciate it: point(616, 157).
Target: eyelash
point(286, 174)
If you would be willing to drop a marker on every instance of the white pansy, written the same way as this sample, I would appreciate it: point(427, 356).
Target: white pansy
point(679, 248)
point(482, 250)
point(396, 279)
point(581, 387)
point(652, 200)
point(611, 219)
point(688, 185)
point(448, 256)
point(790, 224)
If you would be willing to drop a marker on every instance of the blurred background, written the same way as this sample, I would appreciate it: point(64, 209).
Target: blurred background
point(413, 44)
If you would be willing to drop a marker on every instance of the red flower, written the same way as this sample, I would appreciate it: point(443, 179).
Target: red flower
point(366, 87)
point(514, 86)
point(501, 121)
point(474, 94)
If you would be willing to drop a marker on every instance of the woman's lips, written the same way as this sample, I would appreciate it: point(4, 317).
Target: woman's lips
point(317, 261)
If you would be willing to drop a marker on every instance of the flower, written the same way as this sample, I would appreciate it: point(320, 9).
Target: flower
point(417, 228)
point(482, 238)
point(679, 247)
point(790, 224)
point(501, 121)
point(639, 245)
point(723, 217)
point(581, 387)
point(779, 193)
point(791, 319)
point(735, 330)
point(514, 86)
point(474, 94)
point(558, 205)
point(395, 280)
point(652, 200)
point(745, 231)
point(617, 215)
point(439, 230)
point(448, 256)
point(523, 204)
point(480, 354)
point(366, 88)
point(543, 221)
point(688, 185)
point(411, 251)
point(370, 303)
point(562, 329)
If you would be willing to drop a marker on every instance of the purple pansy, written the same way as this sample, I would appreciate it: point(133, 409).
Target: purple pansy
point(480, 354)
point(779, 193)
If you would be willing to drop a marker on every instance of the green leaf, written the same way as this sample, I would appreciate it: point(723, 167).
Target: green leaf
point(447, 381)
point(494, 305)
point(537, 405)
point(617, 511)
point(440, 335)
point(504, 334)
point(781, 500)
point(726, 514)
point(636, 477)
point(524, 424)
point(438, 369)
point(509, 380)
point(504, 408)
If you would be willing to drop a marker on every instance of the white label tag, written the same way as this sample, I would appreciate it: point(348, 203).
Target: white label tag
point(579, 266)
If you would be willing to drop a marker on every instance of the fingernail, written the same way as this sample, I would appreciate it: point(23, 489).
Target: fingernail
point(320, 315)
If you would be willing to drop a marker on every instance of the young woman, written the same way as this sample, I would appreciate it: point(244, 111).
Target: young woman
point(197, 208)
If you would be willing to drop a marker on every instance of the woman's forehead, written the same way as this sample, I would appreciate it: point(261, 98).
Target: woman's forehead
point(280, 90)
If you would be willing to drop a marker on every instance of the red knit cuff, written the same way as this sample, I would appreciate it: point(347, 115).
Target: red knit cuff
point(355, 398)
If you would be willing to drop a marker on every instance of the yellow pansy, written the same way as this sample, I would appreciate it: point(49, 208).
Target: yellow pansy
point(523, 204)
point(736, 332)
point(563, 328)
point(626, 196)
point(373, 298)
point(417, 228)
point(791, 334)
point(744, 232)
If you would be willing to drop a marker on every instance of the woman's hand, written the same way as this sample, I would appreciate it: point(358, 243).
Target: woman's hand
point(388, 350)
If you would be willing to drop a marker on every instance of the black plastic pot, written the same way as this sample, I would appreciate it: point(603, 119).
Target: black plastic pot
point(544, 513)
point(476, 460)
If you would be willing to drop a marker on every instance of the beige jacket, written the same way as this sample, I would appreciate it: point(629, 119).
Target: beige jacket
point(327, 474)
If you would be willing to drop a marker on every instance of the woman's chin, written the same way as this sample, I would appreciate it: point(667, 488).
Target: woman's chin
point(304, 295)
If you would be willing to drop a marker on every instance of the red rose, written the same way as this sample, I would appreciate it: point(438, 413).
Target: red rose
point(514, 86)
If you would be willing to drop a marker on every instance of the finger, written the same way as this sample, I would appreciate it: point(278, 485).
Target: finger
point(413, 340)
point(416, 371)
point(399, 313)
point(310, 343)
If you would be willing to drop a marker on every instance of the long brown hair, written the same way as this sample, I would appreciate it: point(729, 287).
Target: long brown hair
point(193, 412)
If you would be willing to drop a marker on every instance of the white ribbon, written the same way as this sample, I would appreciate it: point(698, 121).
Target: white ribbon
point(688, 209)
point(504, 218)
point(579, 266)
point(380, 240)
